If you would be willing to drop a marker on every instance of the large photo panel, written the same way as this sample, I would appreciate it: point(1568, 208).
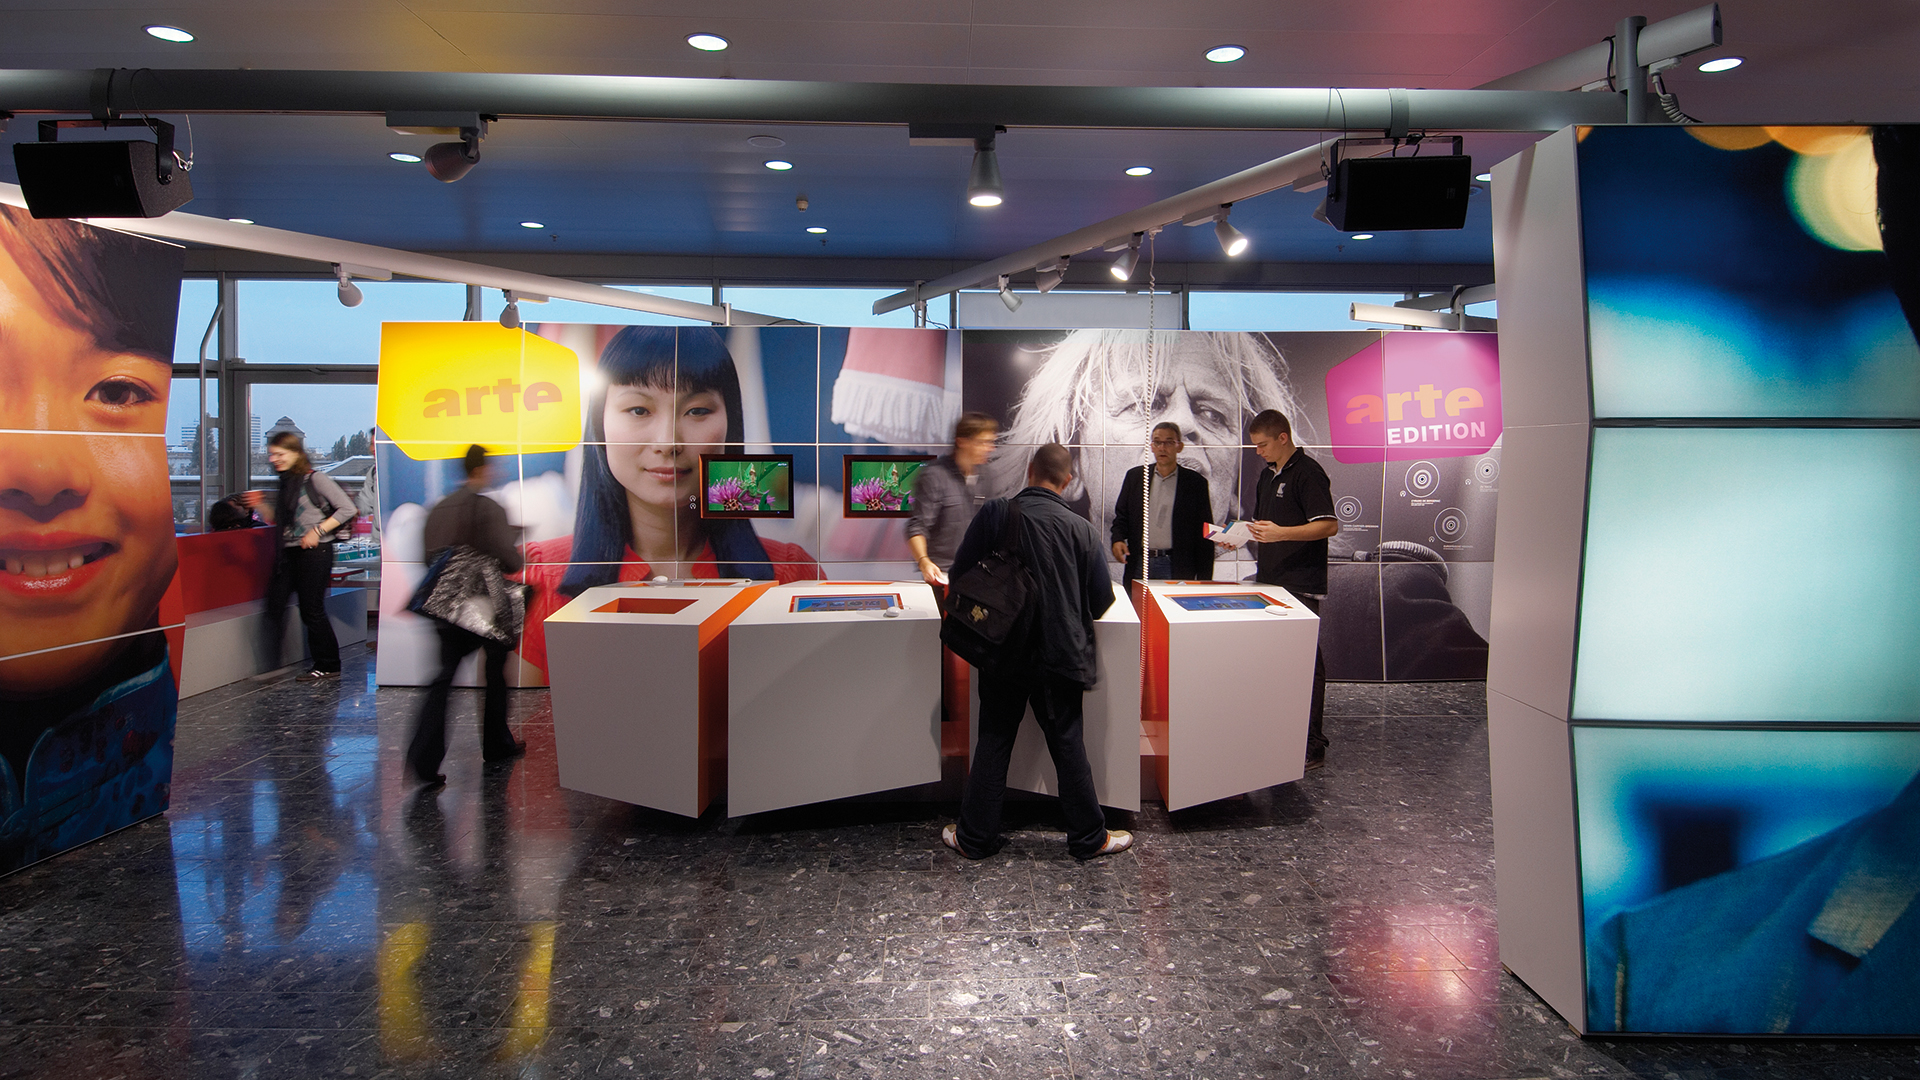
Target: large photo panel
point(90, 623)
point(1743, 882)
point(1752, 271)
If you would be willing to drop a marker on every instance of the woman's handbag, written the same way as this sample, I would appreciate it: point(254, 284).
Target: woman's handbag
point(465, 588)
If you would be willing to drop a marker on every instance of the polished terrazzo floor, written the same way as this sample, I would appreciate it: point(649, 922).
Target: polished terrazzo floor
point(301, 912)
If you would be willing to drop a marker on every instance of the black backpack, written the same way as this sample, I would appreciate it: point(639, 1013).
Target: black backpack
point(989, 612)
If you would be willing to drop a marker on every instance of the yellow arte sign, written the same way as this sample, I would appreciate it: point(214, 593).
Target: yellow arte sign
point(445, 386)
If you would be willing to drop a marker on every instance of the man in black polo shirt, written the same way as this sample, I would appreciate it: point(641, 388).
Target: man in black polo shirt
point(1294, 516)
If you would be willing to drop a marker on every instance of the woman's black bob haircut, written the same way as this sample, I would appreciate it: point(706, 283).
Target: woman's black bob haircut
point(687, 360)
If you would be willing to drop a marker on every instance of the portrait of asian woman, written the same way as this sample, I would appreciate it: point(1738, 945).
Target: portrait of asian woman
point(663, 397)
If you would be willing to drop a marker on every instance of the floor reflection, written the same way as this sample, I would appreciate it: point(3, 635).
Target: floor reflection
point(302, 912)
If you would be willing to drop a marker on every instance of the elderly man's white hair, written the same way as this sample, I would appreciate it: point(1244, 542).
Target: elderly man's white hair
point(1107, 370)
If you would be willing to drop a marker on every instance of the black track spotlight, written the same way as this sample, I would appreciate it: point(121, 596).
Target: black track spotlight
point(983, 180)
point(449, 161)
point(1006, 294)
point(1122, 267)
point(1049, 278)
point(510, 315)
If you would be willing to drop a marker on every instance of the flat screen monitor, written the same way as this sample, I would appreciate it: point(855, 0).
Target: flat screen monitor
point(1223, 601)
point(852, 602)
point(746, 485)
point(880, 485)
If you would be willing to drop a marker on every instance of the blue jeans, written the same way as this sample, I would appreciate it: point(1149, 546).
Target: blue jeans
point(1004, 696)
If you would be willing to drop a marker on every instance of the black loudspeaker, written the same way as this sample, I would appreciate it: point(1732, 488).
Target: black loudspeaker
point(97, 179)
point(1390, 194)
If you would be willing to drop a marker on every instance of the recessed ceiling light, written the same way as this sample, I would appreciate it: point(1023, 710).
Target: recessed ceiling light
point(1363, 236)
point(1724, 63)
point(170, 33)
point(1485, 178)
point(1140, 170)
point(707, 42)
point(815, 230)
point(777, 165)
point(241, 220)
point(1225, 54)
point(533, 224)
point(411, 159)
point(767, 142)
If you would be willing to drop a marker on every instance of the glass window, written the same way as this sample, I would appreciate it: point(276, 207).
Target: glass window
point(334, 419)
point(303, 322)
point(183, 449)
point(198, 298)
point(573, 311)
point(1281, 310)
point(825, 307)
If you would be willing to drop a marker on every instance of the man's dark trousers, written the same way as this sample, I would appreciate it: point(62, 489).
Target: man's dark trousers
point(429, 745)
point(1316, 731)
point(1004, 696)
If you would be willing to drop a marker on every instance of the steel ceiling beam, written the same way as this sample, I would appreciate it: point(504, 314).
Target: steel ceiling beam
point(110, 92)
point(367, 261)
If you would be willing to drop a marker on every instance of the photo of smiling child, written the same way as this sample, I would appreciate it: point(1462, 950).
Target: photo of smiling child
point(87, 692)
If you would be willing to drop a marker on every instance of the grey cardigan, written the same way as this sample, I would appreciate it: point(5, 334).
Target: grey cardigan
point(308, 514)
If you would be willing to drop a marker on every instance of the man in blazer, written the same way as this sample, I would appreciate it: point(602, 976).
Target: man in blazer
point(1180, 547)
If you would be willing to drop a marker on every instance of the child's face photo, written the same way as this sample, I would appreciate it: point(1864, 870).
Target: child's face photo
point(86, 518)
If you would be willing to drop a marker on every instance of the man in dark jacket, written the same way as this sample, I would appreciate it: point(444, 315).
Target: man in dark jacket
point(1180, 503)
point(1061, 552)
point(466, 516)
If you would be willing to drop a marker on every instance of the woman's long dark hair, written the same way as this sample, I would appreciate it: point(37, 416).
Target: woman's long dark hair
point(687, 361)
point(291, 480)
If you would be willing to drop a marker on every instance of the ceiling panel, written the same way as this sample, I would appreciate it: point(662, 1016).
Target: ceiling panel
point(699, 189)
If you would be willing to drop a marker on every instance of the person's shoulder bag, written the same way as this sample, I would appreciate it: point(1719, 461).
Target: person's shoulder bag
point(989, 608)
point(466, 588)
point(340, 535)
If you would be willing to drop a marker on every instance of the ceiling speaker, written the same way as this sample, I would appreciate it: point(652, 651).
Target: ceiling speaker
point(1391, 194)
point(98, 179)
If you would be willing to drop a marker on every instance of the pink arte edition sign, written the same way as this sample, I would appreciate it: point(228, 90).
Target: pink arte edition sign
point(1415, 395)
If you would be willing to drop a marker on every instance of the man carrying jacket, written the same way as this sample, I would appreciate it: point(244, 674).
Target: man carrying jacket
point(1061, 552)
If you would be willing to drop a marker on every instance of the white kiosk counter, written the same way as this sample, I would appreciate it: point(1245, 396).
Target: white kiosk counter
point(1229, 682)
point(1110, 724)
point(639, 677)
point(829, 695)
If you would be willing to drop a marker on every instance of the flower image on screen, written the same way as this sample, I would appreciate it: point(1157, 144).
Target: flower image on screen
point(881, 485)
point(746, 485)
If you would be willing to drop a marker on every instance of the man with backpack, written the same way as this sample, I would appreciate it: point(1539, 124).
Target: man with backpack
point(1046, 660)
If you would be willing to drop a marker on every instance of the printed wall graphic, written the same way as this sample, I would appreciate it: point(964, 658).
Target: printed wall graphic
point(89, 606)
point(446, 386)
point(628, 501)
point(625, 503)
point(1409, 582)
point(1750, 881)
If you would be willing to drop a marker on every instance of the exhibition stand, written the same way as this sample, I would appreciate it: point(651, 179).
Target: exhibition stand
point(1111, 719)
point(639, 676)
point(1229, 682)
point(833, 690)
